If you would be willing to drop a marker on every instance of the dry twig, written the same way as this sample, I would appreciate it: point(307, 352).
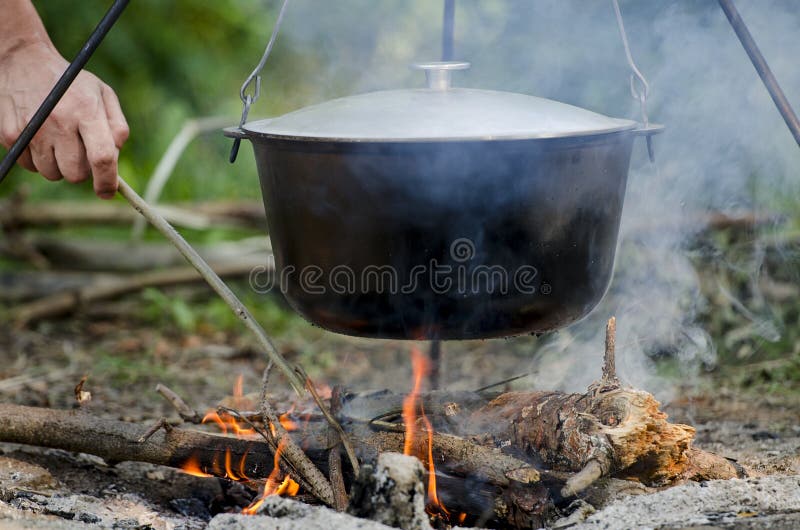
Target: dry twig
point(187, 413)
point(213, 280)
point(609, 357)
point(335, 456)
point(333, 422)
point(162, 423)
point(296, 457)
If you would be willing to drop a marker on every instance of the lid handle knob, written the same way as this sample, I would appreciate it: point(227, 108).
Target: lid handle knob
point(437, 73)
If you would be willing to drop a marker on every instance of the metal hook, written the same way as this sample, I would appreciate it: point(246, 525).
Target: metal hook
point(248, 101)
point(636, 75)
point(255, 76)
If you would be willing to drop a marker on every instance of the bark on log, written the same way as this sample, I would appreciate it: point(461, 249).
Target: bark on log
point(606, 431)
point(116, 441)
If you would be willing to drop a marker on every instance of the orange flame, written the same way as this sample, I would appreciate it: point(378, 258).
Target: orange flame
point(212, 416)
point(238, 391)
point(271, 487)
point(228, 471)
point(420, 367)
point(288, 423)
point(288, 487)
point(241, 465)
point(227, 423)
point(433, 497)
point(192, 467)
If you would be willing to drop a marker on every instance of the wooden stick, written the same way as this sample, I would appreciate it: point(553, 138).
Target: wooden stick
point(160, 424)
point(187, 413)
point(117, 441)
point(213, 280)
point(304, 469)
point(348, 446)
point(335, 456)
point(296, 457)
point(609, 360)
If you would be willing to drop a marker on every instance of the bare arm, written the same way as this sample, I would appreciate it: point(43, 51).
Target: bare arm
point(87, 128)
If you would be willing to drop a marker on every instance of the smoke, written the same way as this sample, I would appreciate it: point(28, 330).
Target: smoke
point(725, 147)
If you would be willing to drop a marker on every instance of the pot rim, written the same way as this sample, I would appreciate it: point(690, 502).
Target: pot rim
point(245, 133)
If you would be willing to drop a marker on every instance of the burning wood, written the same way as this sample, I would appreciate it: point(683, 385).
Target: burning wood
point(479, 452)
point(608, 430)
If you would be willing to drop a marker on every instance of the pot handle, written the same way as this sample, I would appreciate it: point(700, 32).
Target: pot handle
point(648, 131)
point(235, 132)
point(238, 134)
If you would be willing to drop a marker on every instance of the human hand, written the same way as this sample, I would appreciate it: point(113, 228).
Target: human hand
point(85, 131)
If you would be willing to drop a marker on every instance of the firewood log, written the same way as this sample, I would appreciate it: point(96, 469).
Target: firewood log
point(606, 431)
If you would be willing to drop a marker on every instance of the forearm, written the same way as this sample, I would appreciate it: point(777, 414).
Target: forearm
point(20, 25)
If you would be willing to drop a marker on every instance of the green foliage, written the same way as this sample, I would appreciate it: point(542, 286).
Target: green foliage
point(126, 369)
point(169, 311)
point(168, 62)
point(166, 310)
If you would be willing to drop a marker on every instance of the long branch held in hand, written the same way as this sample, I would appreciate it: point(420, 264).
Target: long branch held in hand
point(213, 280)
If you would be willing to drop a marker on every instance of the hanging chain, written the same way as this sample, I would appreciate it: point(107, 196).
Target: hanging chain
point(641, 92)
point(251, 88)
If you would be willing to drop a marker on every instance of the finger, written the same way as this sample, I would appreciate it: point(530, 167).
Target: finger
point(116, 119)
point(44, 161)
point(102, 154)
point(71, 159)
point(26, 160)
point(8, 135)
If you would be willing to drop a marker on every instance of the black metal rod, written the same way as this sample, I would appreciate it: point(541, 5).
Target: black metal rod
point(761, 66)
point(61, 87)
point(448, 28)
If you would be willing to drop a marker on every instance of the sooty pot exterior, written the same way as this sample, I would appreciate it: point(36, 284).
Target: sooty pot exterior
point(444, 239)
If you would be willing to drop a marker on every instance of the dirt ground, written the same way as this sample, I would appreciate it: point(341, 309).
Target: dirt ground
point(44, 488)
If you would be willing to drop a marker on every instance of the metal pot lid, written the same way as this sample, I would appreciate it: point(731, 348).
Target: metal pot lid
point(438, 112)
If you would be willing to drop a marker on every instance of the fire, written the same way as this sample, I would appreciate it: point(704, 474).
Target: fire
point(228, 471)
point(433, 497)
point(288, 487)
point(421, 368)
point(286, 420)
point(271, 487)
point(233, 470)
point(212, 416)
point(227, 423)
point(238, 391)
point(192, 467)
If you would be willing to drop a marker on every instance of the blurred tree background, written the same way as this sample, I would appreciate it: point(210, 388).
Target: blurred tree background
point(725, 147)
point(168, 62)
